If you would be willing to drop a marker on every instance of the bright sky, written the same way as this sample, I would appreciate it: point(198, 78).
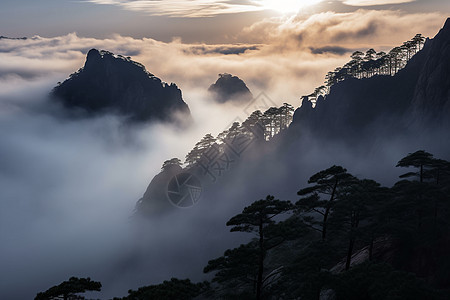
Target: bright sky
point(209, 21)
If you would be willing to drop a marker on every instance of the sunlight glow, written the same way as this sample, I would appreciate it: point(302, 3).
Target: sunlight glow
point(210, 8)
point(287, 6)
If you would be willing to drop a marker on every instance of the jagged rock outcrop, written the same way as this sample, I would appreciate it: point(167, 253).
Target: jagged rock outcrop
point(111, 83)
point(9, 38)
point(230, 88)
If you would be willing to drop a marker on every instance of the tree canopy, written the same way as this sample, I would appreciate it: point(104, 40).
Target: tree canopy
point(370, 63)
point(345, 238)
point(171, 162)
point(168, 290)
point(320, 197)
point(68, 289)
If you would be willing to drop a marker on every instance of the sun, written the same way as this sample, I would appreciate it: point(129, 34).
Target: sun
point(287, 6)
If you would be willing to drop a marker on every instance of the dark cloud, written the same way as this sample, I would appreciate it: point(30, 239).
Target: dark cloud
point(9, 38)
point(331, 49)
point(367, 30)
point(225, 49)
point(25, 74)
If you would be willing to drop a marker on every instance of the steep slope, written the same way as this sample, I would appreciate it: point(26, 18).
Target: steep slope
point(110, 83)
point(230, 88)
point(365, 125)
point(417, 95)
point(155, 200)
point(431, 100)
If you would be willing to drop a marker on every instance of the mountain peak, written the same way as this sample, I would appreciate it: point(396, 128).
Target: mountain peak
point(445, 31)
point(230, 88)
point(447, 23)
point(93, 55)
point(117, 84)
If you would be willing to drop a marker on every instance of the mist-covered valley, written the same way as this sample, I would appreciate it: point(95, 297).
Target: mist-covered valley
point(69, 185)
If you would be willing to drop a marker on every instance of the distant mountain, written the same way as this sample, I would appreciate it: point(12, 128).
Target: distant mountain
point(230, 88)
point(111, 83)
point(9, 38)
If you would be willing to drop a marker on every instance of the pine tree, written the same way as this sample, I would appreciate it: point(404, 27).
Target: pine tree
point(199, 149)
point(419, 159)
point(68, 289)
point(355, 212)
point(320, 198)
point(171, 162)
point(259, 219)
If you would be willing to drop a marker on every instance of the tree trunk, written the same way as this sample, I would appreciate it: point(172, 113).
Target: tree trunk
point(349, 253)
point(327, 212)
point(351, 244)
point(421, 173)
point(318, 293)
point(324, 225)
point(435, 215)
point(259, 281)
point(371, 249)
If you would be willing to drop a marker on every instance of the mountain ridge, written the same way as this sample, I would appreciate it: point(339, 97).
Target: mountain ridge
point(361, 116)
point(417, 95)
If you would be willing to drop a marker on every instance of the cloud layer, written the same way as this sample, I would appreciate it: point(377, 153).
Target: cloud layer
point(362, 28)
point(285, 57)
point(68, 188)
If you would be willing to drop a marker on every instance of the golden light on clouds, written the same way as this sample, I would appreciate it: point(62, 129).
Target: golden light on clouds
point(210, 8)
point(287, 6)
point(182, 8)
point(206, 8)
